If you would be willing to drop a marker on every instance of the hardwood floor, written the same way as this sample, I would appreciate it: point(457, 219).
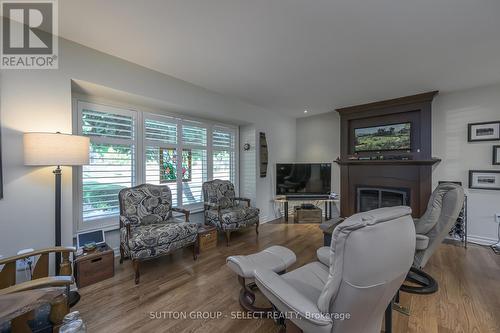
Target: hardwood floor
point(468, 299)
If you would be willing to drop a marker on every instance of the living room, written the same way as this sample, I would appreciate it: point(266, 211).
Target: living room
point(298, 125)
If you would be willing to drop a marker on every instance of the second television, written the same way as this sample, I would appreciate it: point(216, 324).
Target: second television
point(383, 138)
point(303, 179)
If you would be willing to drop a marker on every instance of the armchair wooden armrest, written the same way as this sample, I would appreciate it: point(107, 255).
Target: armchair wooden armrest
point(243, 199)
point(41, 268)
point(125, 223)
point(51, 281)
point(183, 211)
point(211, 205)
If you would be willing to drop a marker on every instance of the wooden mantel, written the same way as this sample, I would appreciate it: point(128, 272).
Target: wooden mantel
point(412, 171)
point(388, 162)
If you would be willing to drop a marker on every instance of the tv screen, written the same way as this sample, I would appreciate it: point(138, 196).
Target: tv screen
point(302, 179)
point(383, 138)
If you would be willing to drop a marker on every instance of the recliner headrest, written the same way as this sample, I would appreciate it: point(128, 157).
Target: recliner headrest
point(376, 216)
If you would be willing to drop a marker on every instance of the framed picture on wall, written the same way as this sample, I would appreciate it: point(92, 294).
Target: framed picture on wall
point(496, 155)
point(484, 179)
point(487, 131)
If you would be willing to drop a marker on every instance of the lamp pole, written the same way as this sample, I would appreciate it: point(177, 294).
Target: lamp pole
point(57, 172)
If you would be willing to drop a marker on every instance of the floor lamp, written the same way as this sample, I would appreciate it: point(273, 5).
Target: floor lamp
point(57, 149)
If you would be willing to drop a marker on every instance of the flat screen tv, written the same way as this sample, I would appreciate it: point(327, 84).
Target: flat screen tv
point(383, 138)
point(303, 179)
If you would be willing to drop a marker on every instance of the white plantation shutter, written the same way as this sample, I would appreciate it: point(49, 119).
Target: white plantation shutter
point(112, 158)
point(194, 135)
point(192, 189)
point(159, 134)
point(194, 144)
point(163, 132)
point(111, 169)
point(223, 155)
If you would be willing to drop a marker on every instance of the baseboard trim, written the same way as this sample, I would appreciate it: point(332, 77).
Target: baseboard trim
point(481, 240)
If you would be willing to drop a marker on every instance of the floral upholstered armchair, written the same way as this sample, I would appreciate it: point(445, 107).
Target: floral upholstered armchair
point(223, 210)
point(147, 227)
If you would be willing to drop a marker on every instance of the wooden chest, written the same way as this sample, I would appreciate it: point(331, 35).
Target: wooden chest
point(307, 215)
point(92, 267)
point(207, 238)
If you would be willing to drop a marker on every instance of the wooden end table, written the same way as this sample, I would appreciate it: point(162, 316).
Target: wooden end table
point(207, 238)
point(94, 266)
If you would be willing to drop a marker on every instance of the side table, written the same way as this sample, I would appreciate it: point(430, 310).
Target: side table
point(94, 266)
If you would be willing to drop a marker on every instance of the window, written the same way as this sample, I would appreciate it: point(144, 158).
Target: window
point(132, 147)
point(112, 159)
point(160, 142)
point(194, 147)
point(224, 164)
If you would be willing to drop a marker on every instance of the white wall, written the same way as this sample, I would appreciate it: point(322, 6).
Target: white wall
point(450, 115)
point(248, 163)
point(40, 100)
point(318, 140)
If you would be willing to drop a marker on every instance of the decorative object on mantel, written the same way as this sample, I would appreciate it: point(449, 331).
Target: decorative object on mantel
point(485, 131)
point(263, 154)
point(496, 155)
point(56, 149)
point(484, 179)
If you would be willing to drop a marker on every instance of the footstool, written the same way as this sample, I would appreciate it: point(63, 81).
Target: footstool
point(276, 258)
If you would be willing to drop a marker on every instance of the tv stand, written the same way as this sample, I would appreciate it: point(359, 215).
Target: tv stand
point(328, 202)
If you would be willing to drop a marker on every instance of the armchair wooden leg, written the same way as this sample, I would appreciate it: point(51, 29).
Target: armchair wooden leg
point(228, 237)
point(257, 228)
point(196, 250)
point(122, 254)
point(135, 263)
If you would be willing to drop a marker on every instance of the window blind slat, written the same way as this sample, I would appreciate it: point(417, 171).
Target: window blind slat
point(160, 131)
point(102, 124)
point(194, 135)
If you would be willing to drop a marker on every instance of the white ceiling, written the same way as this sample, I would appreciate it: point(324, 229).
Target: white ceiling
point(291, 55)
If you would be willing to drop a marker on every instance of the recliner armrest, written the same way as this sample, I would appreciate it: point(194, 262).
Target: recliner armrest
point(422, 242)
point(323, 254)
point(275, 288)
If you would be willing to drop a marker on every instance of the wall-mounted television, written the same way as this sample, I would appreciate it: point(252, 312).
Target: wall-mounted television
point(303, 179)
point(383, 138)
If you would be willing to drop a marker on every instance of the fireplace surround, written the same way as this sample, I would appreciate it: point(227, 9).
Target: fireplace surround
point(410, 170)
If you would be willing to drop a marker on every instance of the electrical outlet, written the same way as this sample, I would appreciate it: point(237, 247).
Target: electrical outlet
point(497, 217)
point(23, 264)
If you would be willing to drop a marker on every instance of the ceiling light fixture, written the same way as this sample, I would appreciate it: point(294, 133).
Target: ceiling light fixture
point(305, 111)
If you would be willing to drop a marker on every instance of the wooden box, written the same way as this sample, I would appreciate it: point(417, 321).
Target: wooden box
point(207, 238)
point(95, 266)
point(302, 215)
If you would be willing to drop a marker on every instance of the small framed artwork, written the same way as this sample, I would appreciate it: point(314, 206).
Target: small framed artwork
point(484, 179)
point(488, 131)
point(496, 155)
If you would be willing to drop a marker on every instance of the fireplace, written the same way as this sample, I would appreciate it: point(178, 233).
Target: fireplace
point(379, 178)
point(369, 197)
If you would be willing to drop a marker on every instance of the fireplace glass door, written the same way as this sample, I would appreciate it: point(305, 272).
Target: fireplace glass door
point(369, 198)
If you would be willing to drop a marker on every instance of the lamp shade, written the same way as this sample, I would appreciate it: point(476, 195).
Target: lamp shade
point(55, 149)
